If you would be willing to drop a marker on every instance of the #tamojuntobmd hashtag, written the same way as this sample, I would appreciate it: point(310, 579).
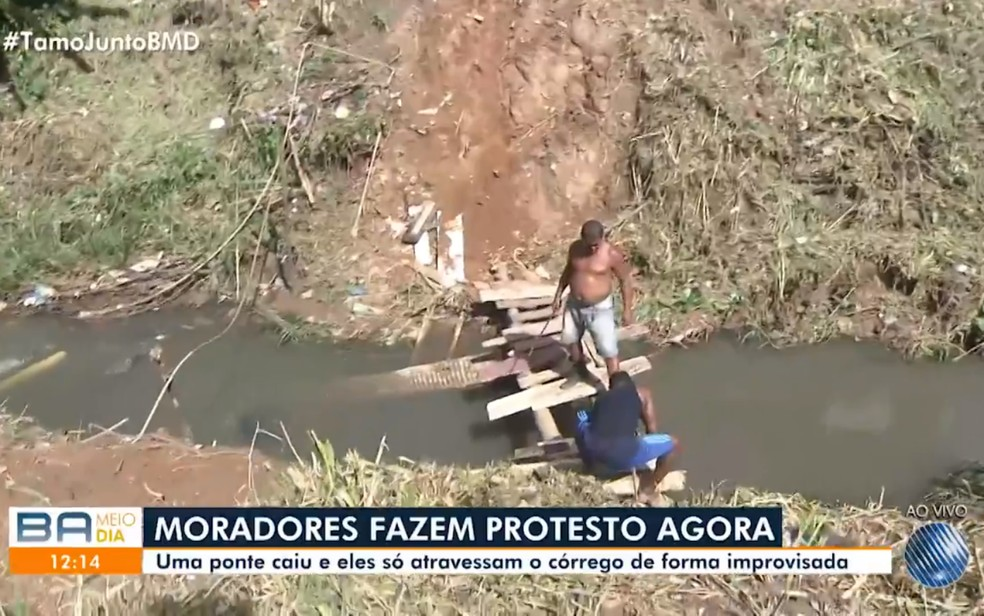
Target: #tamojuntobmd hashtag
point(152, 41)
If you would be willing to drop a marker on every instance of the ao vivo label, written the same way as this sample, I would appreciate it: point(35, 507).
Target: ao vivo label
point(70, 527)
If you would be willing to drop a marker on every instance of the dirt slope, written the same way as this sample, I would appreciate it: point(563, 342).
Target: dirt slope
point(510, 114)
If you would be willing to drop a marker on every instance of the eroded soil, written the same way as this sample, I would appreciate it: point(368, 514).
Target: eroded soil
point(105, 472)
point(512, 116)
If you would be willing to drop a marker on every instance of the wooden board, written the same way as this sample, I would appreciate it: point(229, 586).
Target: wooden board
point(520, 341)
point(524, 304)
point(553, 326)
point(528, 316)
point(550, 395)
point(563, 448)
point(544, 376)
point(546, 424)
point(424, 222)
point(624, 333)
point(516, 290)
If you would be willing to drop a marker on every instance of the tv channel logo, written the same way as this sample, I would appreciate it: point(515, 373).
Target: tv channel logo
point(937, 555)
point(76, 527)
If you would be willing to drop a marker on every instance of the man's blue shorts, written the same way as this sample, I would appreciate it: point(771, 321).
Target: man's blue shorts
point(650, 448)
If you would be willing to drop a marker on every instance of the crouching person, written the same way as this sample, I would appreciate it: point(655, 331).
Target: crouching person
point(607, 439)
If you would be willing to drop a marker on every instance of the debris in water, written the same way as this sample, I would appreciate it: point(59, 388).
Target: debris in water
point(8, 365)
point(122, 367)
point(39, 296)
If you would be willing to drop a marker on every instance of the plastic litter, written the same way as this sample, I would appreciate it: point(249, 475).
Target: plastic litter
point(39, 296)
point(10, 364)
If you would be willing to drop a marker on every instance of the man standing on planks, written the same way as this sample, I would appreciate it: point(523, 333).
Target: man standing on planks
point(592, 263)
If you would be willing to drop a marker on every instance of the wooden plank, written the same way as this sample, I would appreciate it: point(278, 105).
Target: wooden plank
point(623, 486)
point(675, 481)
point(553, 326)
point(545, 450)
point(425, 221)
point(520, 342)
point(527, 316)
point(551, 394)
point(624, 333)
point(571, 464)
point(527, 381)
point(524, 304)
point(516, 290)
point(546, 424)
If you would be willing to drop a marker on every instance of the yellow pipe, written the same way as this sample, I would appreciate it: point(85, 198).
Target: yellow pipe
point(32, 371)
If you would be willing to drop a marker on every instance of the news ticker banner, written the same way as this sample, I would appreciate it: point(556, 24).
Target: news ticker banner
point(404, 541)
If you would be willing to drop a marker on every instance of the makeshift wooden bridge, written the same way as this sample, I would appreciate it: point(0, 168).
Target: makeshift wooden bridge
point(530, 328)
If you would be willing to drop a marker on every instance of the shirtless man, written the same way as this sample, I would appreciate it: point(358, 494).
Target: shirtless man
point(591, 264)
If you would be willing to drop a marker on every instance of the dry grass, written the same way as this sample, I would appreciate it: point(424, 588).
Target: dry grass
point(353, 481)
point(107, 167)
point(812, 170)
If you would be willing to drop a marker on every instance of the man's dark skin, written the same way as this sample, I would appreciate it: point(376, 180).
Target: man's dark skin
point(592, 263)
point(648, 481)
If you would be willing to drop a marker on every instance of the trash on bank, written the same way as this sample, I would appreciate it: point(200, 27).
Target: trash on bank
point(39, 296)
point(422, 253)
point(453, 271)
point(422, 218)
point(147, 265)
point(356, 290)
point(362, 310)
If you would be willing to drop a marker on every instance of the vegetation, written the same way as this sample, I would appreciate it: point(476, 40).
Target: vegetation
point(136, 154)
point(352, 481)
point(812, 172)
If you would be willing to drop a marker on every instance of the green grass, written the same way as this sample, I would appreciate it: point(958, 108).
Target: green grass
point(328, 481)
point(110, 166)
point(828, 179)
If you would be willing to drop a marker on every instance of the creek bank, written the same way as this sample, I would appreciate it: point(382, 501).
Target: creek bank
point(328, 480)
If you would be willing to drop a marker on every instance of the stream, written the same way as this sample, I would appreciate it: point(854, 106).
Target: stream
point(841, 422)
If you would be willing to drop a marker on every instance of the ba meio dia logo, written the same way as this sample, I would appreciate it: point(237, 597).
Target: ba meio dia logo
point(937, 555)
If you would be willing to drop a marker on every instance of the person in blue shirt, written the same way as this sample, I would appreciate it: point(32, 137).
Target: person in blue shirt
point(607, 439)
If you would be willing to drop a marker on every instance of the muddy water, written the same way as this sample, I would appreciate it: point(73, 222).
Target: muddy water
point(841, 422)
point(243, 379)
